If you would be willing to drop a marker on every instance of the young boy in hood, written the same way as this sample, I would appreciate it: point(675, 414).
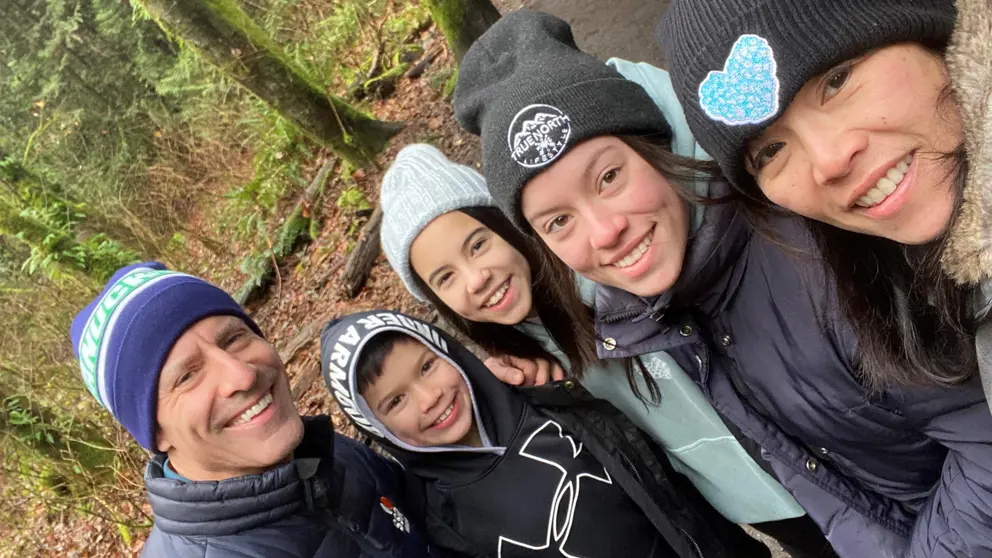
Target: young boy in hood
point(546, 471)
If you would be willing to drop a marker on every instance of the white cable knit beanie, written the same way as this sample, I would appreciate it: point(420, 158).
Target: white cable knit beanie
point(420, 186)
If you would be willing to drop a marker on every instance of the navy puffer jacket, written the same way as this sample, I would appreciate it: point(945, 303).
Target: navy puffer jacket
point(907, 472)
point(329, 502)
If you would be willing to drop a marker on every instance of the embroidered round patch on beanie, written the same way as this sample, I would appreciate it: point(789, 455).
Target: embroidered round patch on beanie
point(538, 134)
point(532, 95)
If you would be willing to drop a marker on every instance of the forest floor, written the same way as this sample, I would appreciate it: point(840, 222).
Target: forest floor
point(307, 291)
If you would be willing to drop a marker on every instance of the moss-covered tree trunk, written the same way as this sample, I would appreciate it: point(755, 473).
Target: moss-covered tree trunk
point(223, 33)
point(462, 21)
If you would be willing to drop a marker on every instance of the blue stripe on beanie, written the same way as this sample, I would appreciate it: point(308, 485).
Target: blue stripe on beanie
point(124, 335)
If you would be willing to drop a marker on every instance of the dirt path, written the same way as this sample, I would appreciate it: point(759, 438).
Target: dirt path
point(606, 28)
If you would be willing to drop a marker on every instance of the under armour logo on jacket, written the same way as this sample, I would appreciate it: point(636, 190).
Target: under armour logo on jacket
point(565, 457)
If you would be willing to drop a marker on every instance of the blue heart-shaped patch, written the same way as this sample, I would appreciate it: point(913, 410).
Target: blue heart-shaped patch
point(746, 90)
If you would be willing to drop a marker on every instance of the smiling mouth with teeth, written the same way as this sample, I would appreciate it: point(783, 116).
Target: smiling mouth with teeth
point(635, 255)
point(253, 411)
point(447, 413)
point(885, 185)
point(498, 295)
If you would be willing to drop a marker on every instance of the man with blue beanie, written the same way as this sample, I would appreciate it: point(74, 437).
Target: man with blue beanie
point(236, 472)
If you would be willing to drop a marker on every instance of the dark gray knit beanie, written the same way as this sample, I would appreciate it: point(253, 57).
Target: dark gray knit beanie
point(531, 95)
point(737, 64)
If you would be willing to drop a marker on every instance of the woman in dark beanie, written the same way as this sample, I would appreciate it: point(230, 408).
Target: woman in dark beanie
point(581, 159)
point(877, 130)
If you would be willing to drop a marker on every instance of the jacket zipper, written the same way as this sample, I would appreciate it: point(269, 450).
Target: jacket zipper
point(613, 318)
point(633, 468)
point(640, 481)
point(692, 540)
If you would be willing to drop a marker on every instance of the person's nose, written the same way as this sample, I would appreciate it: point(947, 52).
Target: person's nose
point(428, 396)
point(477, 278)
point(833, 151)
point(606, 226)
point(233, 375)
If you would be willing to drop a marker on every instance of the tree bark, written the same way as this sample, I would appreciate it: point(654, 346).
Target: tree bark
point(362, 258)
point(462, 21)
point(224, 34)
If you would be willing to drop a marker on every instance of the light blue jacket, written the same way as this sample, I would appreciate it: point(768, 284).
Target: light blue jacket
point(684, 423)
point(695, 439)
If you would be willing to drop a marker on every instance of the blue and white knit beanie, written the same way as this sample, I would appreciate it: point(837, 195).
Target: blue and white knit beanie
point(124, 335)
point(420, 186)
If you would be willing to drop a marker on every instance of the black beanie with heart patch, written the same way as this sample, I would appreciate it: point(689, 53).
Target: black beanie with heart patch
point(532, 95)
point(736, 65)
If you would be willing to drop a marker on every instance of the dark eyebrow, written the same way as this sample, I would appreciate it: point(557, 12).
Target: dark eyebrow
point(233, 323)
point(468, 238)
point(430, 278)
point(595, 159)
point(385, 398)
point(465, 246)
point(751, 146)
point(419, 363)
point(585, 174)
point(181, 365)
point(177, 368)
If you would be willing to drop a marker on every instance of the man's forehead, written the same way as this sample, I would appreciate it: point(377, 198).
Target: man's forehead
point(209, 330)
point(212, 325)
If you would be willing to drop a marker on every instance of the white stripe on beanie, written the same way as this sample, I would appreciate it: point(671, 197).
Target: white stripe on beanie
point(93, 349)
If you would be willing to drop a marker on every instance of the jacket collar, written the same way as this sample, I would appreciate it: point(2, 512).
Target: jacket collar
point(968, 257)
point(217, 508)
point(708, 281)
point(497, 410)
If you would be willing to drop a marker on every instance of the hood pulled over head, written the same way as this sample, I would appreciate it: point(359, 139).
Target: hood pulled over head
point(496, 408)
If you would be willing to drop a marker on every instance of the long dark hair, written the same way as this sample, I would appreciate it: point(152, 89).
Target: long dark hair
point(680, 171)
point(557, 302)
point(911, 319)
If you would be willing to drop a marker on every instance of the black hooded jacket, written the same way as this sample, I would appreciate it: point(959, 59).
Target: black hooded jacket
point(560, 473)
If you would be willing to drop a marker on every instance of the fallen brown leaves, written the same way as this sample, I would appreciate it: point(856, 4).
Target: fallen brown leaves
point(309, 293)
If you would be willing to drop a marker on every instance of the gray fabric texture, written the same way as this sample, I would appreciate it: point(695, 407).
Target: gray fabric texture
point(532, 95)
point(420, 186)
point(806, 37)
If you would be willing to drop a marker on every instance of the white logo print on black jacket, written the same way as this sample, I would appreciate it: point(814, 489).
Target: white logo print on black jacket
point(559, 474)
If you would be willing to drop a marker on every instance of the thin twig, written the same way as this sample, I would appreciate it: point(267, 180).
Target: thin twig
point(275, 269)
